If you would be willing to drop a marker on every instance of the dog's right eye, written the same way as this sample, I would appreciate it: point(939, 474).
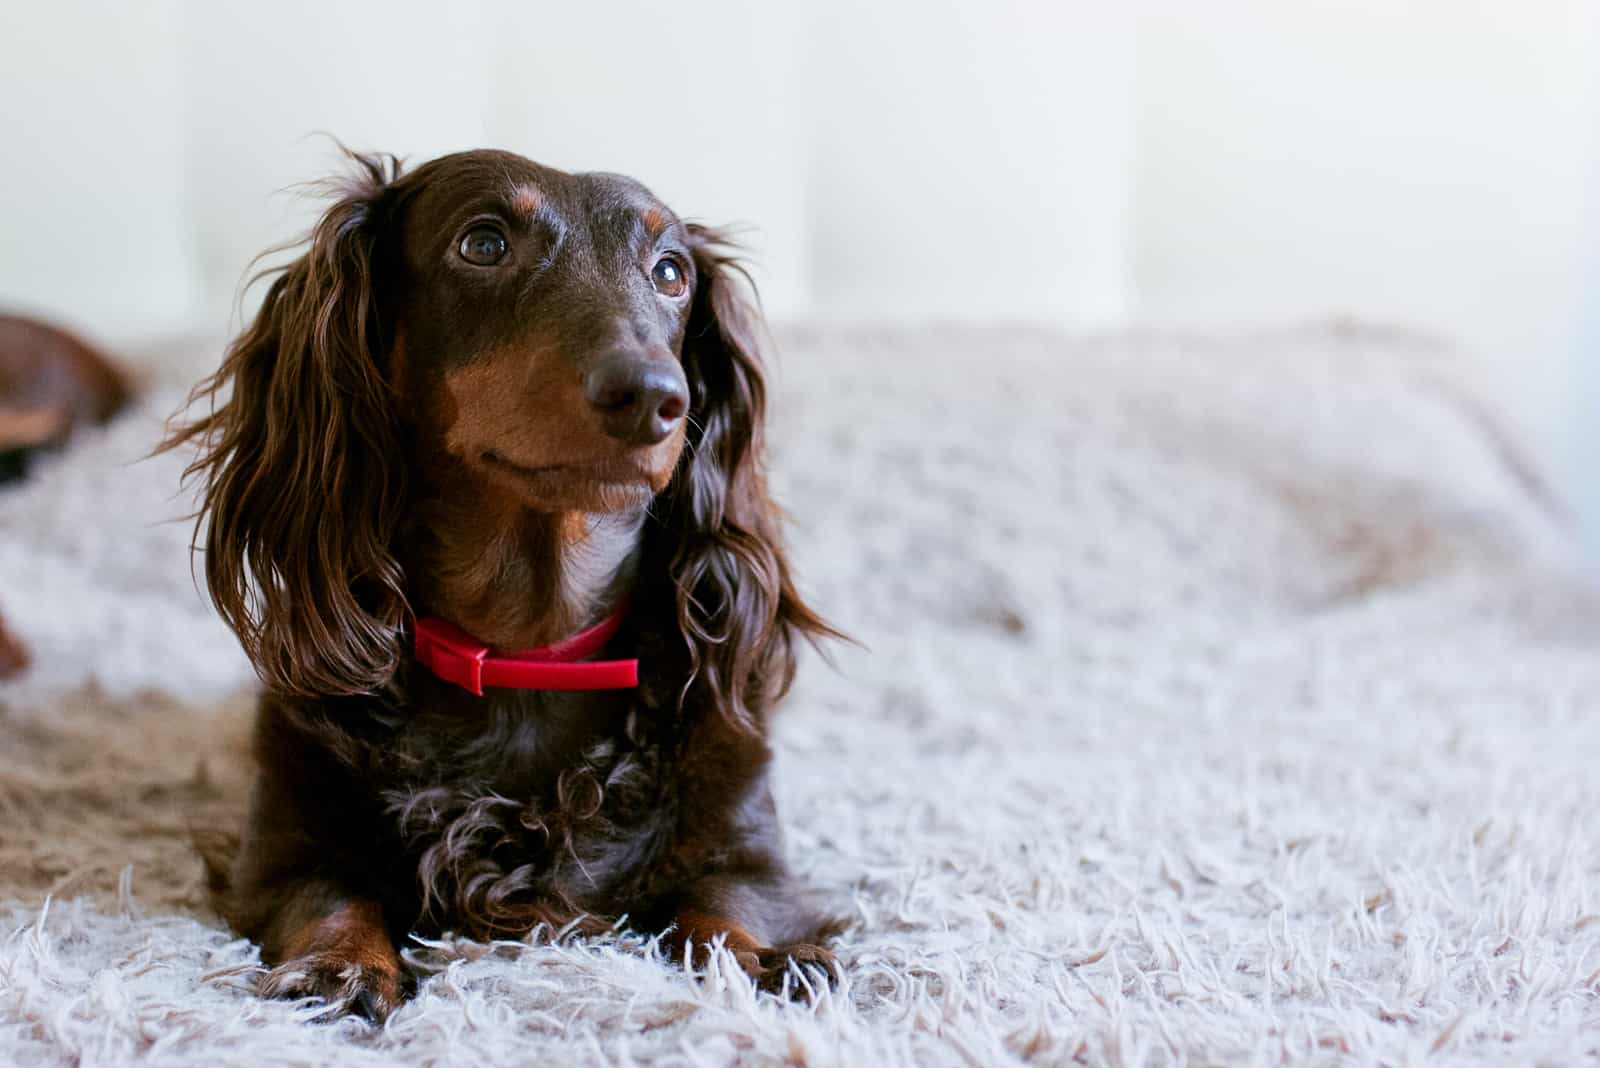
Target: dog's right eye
point(484, 246)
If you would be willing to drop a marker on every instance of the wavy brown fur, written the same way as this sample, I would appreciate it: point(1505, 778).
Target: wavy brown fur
point(738, 609)
point(301, 491)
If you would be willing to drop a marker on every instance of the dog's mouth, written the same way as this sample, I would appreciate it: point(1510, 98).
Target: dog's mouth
point(591, 471)
point(610, 483)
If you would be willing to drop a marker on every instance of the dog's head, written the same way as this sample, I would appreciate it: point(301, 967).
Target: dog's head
point(533, 325)
point(564, 342)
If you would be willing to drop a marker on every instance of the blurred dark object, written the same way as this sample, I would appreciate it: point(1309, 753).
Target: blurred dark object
point(50, 383)
point(13, 654)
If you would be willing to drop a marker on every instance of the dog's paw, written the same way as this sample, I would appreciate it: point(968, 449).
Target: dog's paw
point(347, 988)
point(794, 971)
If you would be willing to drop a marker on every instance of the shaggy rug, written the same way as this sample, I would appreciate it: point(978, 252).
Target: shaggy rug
point(1220, 700)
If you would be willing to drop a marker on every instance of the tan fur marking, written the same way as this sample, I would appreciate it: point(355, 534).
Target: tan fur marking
point(354, 933)
point(574, 529)
point(526, 200)
point(524, 405)
point(695, 931)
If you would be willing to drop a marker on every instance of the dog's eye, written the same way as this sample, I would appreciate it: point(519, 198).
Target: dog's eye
point(484, 246)
point(668, 276)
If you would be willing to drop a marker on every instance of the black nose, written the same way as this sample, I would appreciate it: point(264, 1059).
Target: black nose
point(640, 400)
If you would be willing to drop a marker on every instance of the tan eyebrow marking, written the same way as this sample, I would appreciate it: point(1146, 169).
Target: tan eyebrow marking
point(526, 200)
point(656, 221)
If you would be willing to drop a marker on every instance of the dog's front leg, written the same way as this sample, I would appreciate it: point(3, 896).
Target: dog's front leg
point(304, 882)
point(762, 919)
point(323, 941)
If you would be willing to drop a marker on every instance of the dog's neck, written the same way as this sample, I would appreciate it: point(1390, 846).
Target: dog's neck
point(518, 579)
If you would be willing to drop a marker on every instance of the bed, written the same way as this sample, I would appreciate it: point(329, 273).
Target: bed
point(1219, 698)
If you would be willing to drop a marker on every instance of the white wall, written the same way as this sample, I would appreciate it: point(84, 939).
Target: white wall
point(1425, 163)
point(701, 106)
point(971, 161)
point(978, 168)
point(264, 82)
point(554, 82)
point(92, 206)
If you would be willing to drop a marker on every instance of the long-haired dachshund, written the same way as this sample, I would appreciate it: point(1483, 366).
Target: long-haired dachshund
point(485, 505)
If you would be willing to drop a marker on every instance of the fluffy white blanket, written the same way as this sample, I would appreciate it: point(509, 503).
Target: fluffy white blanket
point(1222, 700)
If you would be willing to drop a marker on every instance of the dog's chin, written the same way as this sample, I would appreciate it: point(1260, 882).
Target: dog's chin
point(574, 487)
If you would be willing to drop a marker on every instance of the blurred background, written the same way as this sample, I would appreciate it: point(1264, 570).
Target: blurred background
point(1431, 166)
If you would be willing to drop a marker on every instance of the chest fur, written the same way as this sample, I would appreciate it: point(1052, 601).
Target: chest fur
point(526, 824)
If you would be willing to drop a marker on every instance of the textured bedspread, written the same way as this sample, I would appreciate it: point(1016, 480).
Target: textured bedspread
point(1222, 699)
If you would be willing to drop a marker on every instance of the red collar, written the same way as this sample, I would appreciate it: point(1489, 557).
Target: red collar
point(456, 656)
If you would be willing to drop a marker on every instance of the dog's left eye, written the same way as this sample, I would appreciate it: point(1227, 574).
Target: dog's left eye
point(668, 276)
point(484, 246)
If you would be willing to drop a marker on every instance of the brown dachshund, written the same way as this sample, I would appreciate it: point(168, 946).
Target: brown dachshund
point(493, 408)
point(50, 382)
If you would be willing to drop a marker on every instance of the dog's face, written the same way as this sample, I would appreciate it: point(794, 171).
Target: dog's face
point(490, 335)
point(538, 327)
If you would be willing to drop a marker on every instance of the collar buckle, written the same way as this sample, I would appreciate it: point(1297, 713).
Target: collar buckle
point(450, 653)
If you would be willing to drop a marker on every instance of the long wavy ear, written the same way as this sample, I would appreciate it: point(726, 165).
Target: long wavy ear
point(299, 464)
point(736, 601)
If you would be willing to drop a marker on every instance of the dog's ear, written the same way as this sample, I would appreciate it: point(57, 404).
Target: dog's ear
point(299, 463)
point(737, 604)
